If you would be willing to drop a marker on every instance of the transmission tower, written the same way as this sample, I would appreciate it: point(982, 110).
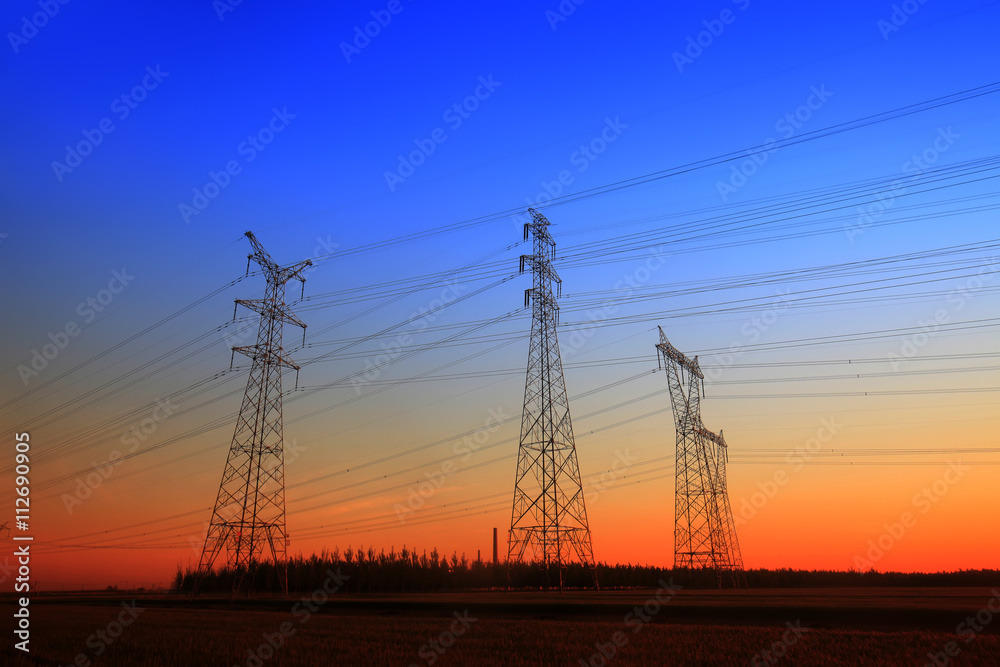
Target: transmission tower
point(704, 528)
point(248, 521)
point(549, 517)
point(727, 525)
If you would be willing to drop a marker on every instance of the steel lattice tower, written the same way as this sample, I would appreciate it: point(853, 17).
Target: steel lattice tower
point(248, 521)
point(704, 528)
point(727, 523)
point(549, 516)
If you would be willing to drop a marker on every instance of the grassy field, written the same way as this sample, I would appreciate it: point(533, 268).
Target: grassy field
point(831, 627)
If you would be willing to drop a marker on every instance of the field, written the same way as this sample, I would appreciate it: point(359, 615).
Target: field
point(820, 626)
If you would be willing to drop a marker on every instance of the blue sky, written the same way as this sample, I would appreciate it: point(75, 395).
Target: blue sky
point(353, 119)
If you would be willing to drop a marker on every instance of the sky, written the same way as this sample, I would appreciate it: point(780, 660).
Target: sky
point(802, 196)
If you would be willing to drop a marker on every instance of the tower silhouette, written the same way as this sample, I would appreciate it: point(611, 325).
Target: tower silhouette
point(549, 517)
point(248, 521)
point(704, 528)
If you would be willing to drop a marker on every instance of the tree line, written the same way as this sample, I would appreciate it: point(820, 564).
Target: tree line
point(406, 571)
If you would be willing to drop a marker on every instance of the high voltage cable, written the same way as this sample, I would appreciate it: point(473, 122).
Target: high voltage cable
point(299, 396)
point(813, 292)
point(128, 340)
point(402, 284)
point(894, 262)
point(450, 438)
point(448, 511)
point(646, 360)
point(217, 375)
point(864, 360)
point(866, 121)
point(192, 305)
point(458, 436)
point(645, 318)
point(780, 344)
point(215, 425)
point(724, 283)
point(841, 394)
point(204, 298)
point(220, 422)
point(870, 335)
point(803, 202)
point(909, 451)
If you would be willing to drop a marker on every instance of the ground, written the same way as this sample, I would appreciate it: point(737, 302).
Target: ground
point(904, 626)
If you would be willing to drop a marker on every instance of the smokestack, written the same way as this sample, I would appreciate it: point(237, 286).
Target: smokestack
point(495, 546)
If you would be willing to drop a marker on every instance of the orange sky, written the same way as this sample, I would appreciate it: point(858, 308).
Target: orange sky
point(813, 516)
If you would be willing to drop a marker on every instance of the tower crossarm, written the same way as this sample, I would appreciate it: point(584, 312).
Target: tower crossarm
point(683, 378)
point(678, 357)
point(266, 307)
point(539, 225)
point(714, 438)
point(279, 274)
point(273, 357)
point(540, 265)
point(540, 262)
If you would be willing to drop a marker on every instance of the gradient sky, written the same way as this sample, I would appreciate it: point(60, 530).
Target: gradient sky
point(554, 84)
